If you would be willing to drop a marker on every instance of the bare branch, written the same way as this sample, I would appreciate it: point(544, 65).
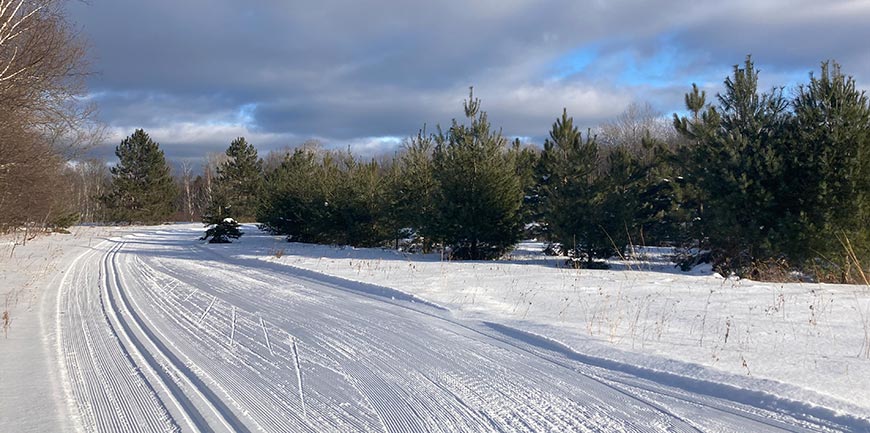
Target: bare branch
point(41, 120)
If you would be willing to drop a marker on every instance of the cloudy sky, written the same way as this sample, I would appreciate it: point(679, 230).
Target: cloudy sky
point(198, 73)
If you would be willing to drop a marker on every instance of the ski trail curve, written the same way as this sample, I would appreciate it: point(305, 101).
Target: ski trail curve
point(159, 334)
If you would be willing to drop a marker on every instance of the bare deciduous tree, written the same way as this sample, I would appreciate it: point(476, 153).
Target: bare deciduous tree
point(637, 122)
point(187, 189)
point(41, 117)
point(209, 173)
point(88, 179)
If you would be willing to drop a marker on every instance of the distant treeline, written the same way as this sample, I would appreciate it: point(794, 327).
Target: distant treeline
point(757, 182)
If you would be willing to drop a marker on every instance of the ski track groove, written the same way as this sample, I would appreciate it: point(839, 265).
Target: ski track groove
point(299, 375)
point(205, 313)
point(266, 336)
point(233, 325)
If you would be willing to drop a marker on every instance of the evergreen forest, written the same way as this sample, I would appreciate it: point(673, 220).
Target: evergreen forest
point(754, 181)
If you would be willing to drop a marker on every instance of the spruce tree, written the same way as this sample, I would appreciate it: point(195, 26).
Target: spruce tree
point(142, 188)
point(480, 195)
point(239, 181)
point(221, 226)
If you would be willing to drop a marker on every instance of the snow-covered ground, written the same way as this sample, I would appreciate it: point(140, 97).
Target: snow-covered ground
point(31, 399)
point(149, 329)
point(802, 341)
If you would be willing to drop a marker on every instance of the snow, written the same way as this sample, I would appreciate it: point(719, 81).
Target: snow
point(150, 329)
point(31, 397)
point(802, 341)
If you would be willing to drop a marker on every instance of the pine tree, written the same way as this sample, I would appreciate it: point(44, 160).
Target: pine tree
point(393, 222)
point(704, 117)
point(667, 203)
point(328, 197)
point(478, 205)
point(356, 211)
point(528, 158)
point(826, 172)
point(142, 188)
point(239, 181)
point(688, 192)
point(571, 193)
point(294, 198)
point(564, 139)
point(737, 165)
point(413, 190)
point(619, 203)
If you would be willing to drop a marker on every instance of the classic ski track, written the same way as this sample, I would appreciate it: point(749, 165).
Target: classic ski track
point(220, 344)
point(226, 381)
point(201, 396)
point(247, 351)
point(129, 340)
point(96, 368)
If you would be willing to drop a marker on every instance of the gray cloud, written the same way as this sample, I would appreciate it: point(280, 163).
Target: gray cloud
point(197, 73)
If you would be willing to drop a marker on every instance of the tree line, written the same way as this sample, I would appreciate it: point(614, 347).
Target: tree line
point(752, 181)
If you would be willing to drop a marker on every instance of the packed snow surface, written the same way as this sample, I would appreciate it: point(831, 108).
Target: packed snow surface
point(801, 341)
point(154, 330)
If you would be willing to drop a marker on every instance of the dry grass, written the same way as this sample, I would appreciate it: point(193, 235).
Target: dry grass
point(847, 269)
point(774, 270)
point(6, 322)
point(853, 270)
point(276, 252)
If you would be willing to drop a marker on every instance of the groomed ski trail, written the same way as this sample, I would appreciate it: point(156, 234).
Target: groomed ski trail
point(159, 334)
